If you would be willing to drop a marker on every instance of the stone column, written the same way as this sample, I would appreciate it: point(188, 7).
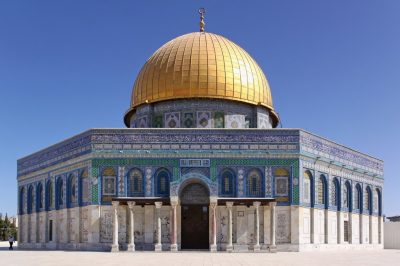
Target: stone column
point(158, 246)
point(229, 247)
point(361, 226)
point(213, 245)
point(371, 228)
point(174, 244)
point(131, 239)
point(339, 219)
point(272, 246)
point(257, 204)
point(115, 245)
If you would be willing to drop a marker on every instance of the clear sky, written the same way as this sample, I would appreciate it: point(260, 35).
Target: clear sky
point(67, 66)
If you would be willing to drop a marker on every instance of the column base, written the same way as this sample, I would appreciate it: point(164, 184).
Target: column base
point(174, 247)
point(131, 247)
point(213, 248)
point(256, 248)
point(229, 248)
point(272, 248)
point(114, 248)
point(157, 247)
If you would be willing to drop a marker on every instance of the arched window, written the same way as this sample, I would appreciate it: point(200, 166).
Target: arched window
point(334, 193)
point(347, 195)
point(379, 201)
point(367, 199)
point(281, 176)
point(321, 190)
point(39, 197)
point(60, 192)
point(227, 183)
point(162, 182)
point(254, 184)
point(49, 195)
point(358, 197)
point(71, 190)
point(84, 195)
point(135, 183)
point(21, 200)
point(30, 203)
point(307, 186)
point(109, 181)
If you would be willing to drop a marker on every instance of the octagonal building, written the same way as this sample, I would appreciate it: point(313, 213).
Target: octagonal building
point(201, 165)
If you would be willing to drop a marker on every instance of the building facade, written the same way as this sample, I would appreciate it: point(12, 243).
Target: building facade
point(200, 166)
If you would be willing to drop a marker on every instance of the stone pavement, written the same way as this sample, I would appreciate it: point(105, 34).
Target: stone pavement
point(321, 258)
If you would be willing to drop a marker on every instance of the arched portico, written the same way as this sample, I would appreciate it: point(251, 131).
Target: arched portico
point(194, 197)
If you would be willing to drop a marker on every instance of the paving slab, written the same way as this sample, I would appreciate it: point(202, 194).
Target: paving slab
point(194, 258)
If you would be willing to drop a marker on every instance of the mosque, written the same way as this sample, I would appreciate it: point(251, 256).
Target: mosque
point(201, 165)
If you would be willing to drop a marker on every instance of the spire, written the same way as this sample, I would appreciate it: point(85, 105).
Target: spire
point(202, 11)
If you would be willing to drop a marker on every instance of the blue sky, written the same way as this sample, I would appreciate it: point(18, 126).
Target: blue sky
point(66, 66)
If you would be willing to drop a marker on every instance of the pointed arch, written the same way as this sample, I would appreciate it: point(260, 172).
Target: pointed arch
point(39, 197)
point(71, 190)
point(60, 197)
point(109, 181)
point(227, 184)
point(255, 184)
point(49, 195)
point(347, 196)
point(21, 200)
point(379, 201)
point(308, 181)
point(162, 180)
point(135, 183)
point(321, 190)
point(84, 187)
point(335, 193)
point(358, 198)
point(368, 200)
point(30, 202)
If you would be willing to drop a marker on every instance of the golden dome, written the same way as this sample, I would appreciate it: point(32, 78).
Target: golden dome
point(201, 65)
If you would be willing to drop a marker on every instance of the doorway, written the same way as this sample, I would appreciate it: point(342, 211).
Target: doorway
point(195, 213)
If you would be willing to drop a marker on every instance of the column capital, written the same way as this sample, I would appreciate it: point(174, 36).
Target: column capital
point(256, 204)
point(272, 204)
point(115, 204)
point(174, 204)
point(213, 205)
point(158, 204)
point(131, 204)
point(229, 204)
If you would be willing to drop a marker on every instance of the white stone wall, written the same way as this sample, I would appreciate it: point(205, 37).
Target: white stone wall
point(91, 227)
point(392, 235)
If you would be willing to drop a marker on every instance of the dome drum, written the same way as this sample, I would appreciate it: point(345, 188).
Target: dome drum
point(200, 113)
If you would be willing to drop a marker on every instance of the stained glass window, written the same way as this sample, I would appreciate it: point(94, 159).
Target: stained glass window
point(254, 187)
point(333, 193)
point(135, 182)
point(357, 198)
point(321, 190)
point(85, 186)
point(307, 187)
point(227, 183)
point(72, 189)
point(21, 200)
point(367, 196)
point(40, 196)
point(162, 182)
point(60, 192)
point(109, 181)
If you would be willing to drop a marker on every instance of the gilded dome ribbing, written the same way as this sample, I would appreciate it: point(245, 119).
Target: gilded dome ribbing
point(201, 65)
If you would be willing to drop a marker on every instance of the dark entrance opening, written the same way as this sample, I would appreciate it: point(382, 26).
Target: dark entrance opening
point(194, 223)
